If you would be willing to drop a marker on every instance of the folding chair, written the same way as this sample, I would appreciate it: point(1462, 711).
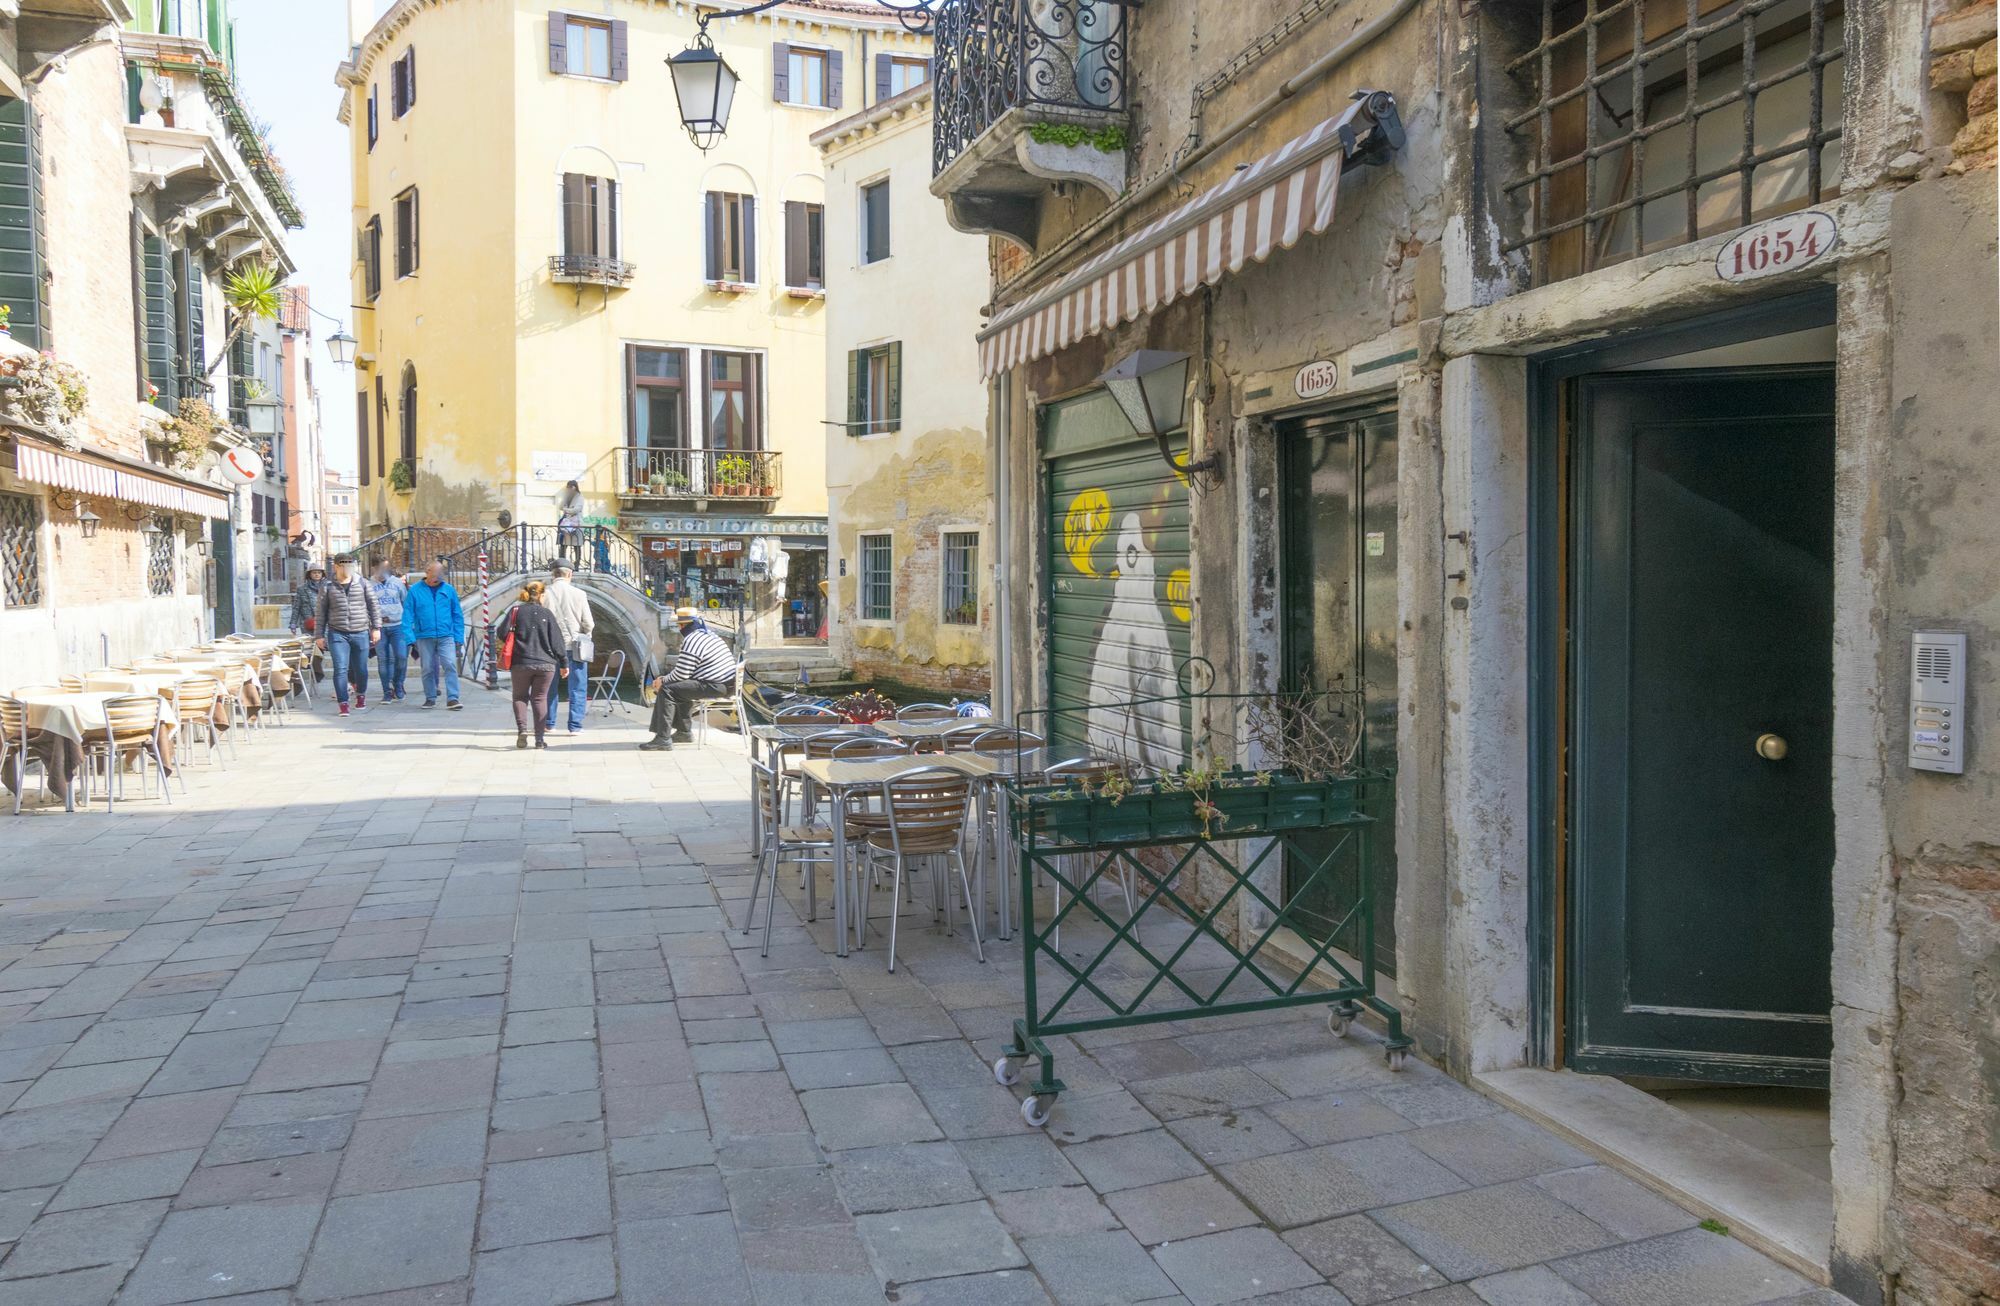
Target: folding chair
point(604, 688)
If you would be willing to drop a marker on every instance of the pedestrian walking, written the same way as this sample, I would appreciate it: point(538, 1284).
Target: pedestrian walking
point(706, 668)
point(571, 607)
point(305, 610)
point(349, 627)
point(536, 662)
point(434, 625)
point(390, 595)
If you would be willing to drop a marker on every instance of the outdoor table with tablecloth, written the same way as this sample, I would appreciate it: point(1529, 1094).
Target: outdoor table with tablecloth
point(58, 719)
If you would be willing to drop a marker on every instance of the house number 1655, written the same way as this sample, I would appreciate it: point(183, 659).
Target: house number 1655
point(1777, 246)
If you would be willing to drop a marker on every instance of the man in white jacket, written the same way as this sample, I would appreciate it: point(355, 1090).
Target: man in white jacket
point(572, 612)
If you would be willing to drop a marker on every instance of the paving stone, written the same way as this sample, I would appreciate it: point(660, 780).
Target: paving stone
point(1205, 1092)
point(1010, 1163)
point(540, 1069)
point(662, 1062)
point(551, 1140)
point(903, 1175)
point(825, 1266)
point(1101, 1115)
point(1233, 1266)
point(999, 1288)
point(128, 1040)
point(663, 1151)
point(1049, 1212)
point(1133, 1161)
point(868, 1117)
point(245, 1013)
point(414, 1151)
point(307, 1176)
point(1363, 1260)
point(732, 1058)
point(546, 1199)
point(421, 1087)
point(1105, 1268)
point(380, 1242)
point(312, 1065)
point(166, 1124)
point(19, 1208)
point(694, 1258)
point(1535, 1286)
point(1336, 1118)
point(103, 1183)
point(1184, 1208)
point(223, 1251)
point(665, 1194)
point(1617, 1203)
point(841, 1069)
point(786, 1197)
point(546, 1274)
point(551, 1025)
point(1495, 1149)
point(1693, 1265)
point(1294, 1188)
point(113, 1081)
point(1433, 1100)
point(76, 1240)
point(1232, 1136)
point(76, 1288)
point(938, 1242)
point(1487, 1230)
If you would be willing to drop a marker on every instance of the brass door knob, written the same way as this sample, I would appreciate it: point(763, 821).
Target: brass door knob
point(1772, 748)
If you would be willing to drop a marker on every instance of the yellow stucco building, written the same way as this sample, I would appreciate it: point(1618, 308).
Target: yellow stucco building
point(557, 285)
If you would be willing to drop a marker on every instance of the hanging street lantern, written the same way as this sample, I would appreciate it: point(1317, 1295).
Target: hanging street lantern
point(704, 88)
point(341, 346)
point(87, 520)
point(1150, 388)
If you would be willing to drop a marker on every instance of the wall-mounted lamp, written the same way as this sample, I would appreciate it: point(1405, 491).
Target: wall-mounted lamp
point(1150, 387)
point(87, 520)
point(152, 529)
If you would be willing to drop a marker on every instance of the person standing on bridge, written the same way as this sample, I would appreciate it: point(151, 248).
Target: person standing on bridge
point(390, 594)
point(434, 624)
point(706, 668)
point(572, 612)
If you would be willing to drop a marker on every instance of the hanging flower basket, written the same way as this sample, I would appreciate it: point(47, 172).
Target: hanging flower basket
point(44, 392)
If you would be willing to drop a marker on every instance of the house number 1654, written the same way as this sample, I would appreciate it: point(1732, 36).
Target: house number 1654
point(1777, 246)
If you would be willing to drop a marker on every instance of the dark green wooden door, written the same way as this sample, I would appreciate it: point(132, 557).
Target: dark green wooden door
point(1339, 531)
point(1702, 601)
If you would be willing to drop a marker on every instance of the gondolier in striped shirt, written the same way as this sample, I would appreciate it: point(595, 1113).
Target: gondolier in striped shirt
point(706, 668)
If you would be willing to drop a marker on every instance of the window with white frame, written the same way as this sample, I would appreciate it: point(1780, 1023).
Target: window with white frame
point(587, 42)
point(961, 578)
point(878, 580)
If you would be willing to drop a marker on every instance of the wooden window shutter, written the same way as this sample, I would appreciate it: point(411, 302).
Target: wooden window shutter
point(374, 116)
point(159, 317)
point(197, 332)
point(361, 433)
point(23, 268)
point(397, 106)
point(894, 371)
point(833, 79)
point(620, 58)
point(715, 236)
point(558, 42)
point(574, 206)
point(857, 392)
point(381, 425)
point(750, 238)
point(882, 67)
point(409, 79)
point(781, 72)
point(416, 227)
point(607, 219)
point(796, 259)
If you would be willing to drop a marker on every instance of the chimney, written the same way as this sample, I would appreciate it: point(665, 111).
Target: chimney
point(360, 17)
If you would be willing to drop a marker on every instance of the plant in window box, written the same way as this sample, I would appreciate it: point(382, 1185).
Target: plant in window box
point(732, 475)
point(403, 475)
point(186, 435)
point(45, 392)
point(965, 614)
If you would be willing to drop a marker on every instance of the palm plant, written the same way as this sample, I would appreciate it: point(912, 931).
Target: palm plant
point(252, 295)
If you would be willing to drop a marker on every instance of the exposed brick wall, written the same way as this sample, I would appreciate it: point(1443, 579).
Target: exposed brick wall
point(1963, 65)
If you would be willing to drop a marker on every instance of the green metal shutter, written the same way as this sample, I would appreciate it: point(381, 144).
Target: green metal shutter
point(194, 347)
point(857, 398)
point(24, 285)
point(1118, 602)
point(239, 380)
point(159, 320)
point(894, 371)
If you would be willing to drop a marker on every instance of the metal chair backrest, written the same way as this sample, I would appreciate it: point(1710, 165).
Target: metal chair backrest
point(13, 719)
point(1090, 770)
point(805, 712)
point(74, 684)
point(823, 745)
point(765, 793)
point(925, 809)
point(960, 739)
point(133, 717)
point(614, 667)
point(926, 712)
point(1003, 740)
point(196, 696)
point(852, 750)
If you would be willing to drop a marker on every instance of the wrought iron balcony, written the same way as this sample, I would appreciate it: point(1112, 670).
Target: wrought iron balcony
point(656, 472)
point(590, 270)
point(1027, 92)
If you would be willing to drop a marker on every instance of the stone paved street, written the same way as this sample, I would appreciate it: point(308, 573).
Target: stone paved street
point(390, 1012)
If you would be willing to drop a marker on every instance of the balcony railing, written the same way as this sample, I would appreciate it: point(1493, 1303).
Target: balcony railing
point(590, 270)
point(653, 472)
point(1065, 57)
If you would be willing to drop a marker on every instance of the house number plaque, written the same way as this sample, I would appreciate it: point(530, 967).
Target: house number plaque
point(1778, 245)
point(1315, 379)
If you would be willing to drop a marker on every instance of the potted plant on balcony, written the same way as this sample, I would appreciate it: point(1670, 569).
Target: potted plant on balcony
point(185, 436)
point(760, 479)
point(732, 476)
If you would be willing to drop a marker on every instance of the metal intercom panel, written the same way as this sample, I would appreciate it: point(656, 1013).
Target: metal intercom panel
point(1937, 701)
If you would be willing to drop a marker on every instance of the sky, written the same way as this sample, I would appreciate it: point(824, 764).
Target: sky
point(286, 53)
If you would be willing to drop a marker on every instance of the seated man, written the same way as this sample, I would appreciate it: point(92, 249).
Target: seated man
point(705, 669)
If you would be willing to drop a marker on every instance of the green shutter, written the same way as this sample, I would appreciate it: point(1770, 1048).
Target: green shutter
point(895, 375)
point(239, 380)
point(194, 346)
point(24, 286)
point(159, 319)
point(857, 399)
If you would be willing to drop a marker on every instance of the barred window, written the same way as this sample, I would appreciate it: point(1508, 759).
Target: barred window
point(160, 559)
point(1718, 114)
point(961, 578)
point(877, 578)
point(20, 550)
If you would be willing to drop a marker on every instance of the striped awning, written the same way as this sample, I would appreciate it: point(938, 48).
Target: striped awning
point(1270, 205)
point(103, 480)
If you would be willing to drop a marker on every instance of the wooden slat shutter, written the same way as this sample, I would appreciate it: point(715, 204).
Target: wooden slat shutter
point(196, 344)
point(396, 105)
point(607, 219)
point(882, 67)
point(620, 58)
point(574, 205)
point(781, 72)
point(558, 42)
point(361, 433)
point(833, 79)
point(374, 116)
point(410, 79)
point(715, 236)
point(796, 254)
point(23, 240)
point(159, 286)
point(750, 238)
point(381, 425)
point(894, 371)
point(239, 380)
point(857, 394)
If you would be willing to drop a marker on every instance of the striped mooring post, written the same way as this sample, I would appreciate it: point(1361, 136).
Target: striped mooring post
point(486, 619)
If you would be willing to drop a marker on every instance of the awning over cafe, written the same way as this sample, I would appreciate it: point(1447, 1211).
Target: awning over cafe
point(1270, 205)
point(84, 475)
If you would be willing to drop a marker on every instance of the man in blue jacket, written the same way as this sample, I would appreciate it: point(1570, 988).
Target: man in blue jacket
point(434, 624)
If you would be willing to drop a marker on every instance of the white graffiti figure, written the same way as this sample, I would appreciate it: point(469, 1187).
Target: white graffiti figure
point(1134, 660)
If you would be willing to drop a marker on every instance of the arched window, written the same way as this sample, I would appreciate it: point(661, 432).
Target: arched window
point(409, 453)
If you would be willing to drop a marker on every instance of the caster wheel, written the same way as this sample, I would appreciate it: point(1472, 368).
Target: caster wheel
point(1004, 1072)
point(1336, 1024)
point(1035, 1111)
point(1397, 1058)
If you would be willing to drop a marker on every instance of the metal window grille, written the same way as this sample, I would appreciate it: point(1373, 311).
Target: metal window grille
point(877, 580)
point(1657, 122)
point(20, 550)
point(961, 578)
point(160, 560)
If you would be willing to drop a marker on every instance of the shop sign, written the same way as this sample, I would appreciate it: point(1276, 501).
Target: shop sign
point(1778, 245)
point(554, 465)
point(661, 546)
point(1316, 379)
point(732, 525)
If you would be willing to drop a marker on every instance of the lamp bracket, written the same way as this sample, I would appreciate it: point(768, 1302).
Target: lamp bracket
point(1209, 462)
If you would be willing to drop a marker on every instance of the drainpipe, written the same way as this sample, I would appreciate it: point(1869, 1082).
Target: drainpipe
point(1358, 39)
point(1003, 553)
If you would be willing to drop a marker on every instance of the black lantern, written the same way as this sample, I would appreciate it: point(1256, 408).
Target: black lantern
point(704, 87)
point(341, 346)
point(87, 520)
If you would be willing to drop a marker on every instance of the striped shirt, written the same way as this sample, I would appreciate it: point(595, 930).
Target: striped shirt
point(705, 657)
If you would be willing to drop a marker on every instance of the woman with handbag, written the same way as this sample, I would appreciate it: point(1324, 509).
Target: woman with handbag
point(531, 650)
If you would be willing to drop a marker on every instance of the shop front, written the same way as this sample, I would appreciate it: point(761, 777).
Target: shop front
point(755, 573)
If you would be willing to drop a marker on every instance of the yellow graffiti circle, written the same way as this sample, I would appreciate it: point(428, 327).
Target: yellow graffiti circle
point(1180, 593)
point(1089, 516)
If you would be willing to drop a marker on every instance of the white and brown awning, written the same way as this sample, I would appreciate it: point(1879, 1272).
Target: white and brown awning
point(104, 479)
point(1270, 205)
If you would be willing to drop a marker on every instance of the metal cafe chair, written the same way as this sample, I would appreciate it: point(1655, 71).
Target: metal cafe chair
point(604, 687)
point(194, 709)
point(926, 712)
point(131, 725)
point(925, 811)
point(15, 754)
point(808, 845)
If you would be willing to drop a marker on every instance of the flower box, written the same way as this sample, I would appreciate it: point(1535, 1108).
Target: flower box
point(1246, 804)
